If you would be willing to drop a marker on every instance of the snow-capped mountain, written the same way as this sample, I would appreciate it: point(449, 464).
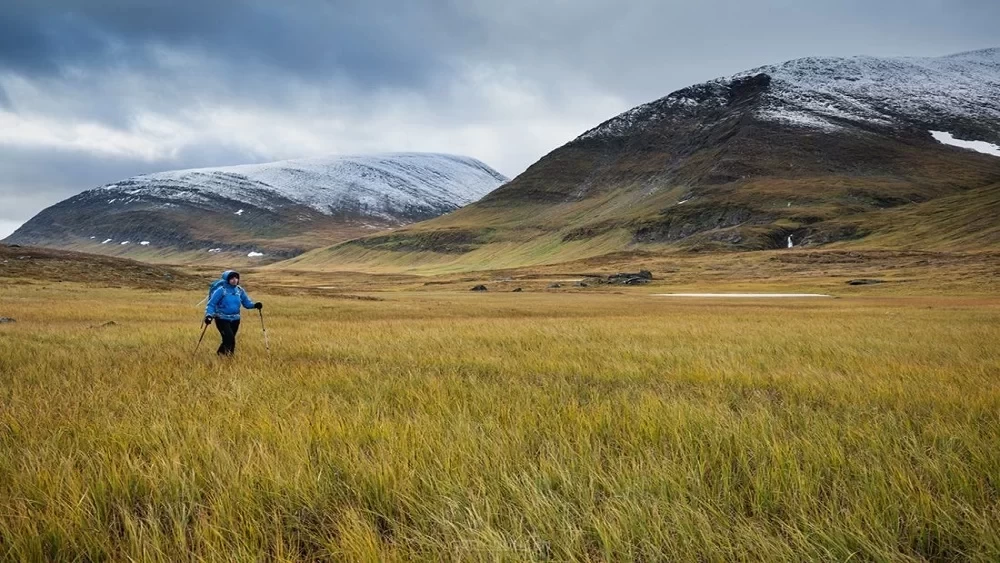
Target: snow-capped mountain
point(390, 187)
point(807, 152)
point(254, 206)
point(831, 93)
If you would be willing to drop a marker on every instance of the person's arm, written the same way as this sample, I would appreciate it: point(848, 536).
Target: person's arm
point(213, 303)
point(247, 303)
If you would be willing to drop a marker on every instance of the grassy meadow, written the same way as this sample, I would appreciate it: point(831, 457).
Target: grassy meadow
point(446, 425)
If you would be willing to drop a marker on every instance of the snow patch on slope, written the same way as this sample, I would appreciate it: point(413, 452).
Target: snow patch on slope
point(799, 118)
point(978, 146)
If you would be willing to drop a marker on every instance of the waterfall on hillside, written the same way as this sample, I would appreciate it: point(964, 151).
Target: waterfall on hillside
point(790, 245)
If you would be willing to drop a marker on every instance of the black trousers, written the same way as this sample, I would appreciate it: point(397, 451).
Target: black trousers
point(228, 330)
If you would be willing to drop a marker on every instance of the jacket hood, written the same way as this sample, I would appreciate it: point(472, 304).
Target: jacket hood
point(228, 274)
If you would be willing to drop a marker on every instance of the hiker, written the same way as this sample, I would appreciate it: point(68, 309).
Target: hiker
point(224, 306)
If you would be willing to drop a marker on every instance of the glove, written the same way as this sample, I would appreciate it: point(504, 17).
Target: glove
point(208, 320)
point(258, 305)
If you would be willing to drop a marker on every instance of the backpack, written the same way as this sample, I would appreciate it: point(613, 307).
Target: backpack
point(215, 285)
point(212, 287)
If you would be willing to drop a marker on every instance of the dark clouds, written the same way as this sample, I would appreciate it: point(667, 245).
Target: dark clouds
point(398, 43)
point(375, 43)
point(386, 43)
point(93, 90)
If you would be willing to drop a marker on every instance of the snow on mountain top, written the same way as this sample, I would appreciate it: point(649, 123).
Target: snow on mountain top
point(880, 89)
point(988, 56)
point(382, 185)
point(820, 92)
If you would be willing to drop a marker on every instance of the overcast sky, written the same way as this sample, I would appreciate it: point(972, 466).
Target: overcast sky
point(92, 91)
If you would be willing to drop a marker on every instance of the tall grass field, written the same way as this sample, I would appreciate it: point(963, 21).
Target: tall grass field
point(440, 426)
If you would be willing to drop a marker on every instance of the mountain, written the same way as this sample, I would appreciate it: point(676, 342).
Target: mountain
point(277, 209)
point(816, 151)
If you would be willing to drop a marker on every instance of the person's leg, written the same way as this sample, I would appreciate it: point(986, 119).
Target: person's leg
point(228, 337)
point(222, 332)
point(236, 328)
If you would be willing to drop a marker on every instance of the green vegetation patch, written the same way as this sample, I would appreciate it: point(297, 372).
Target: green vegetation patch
point(447, 241)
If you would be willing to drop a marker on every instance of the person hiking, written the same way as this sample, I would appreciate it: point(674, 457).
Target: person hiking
point(224, 306)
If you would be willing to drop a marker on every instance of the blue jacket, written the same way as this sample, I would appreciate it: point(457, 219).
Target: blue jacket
point(224, 303)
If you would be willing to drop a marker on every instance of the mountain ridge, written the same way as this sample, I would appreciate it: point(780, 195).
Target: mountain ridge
point(736, 163)
point(842, 80)
point(277, 206)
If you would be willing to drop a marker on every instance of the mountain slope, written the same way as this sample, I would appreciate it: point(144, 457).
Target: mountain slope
point(45, 265)
point(279, 208)
point(743, 162)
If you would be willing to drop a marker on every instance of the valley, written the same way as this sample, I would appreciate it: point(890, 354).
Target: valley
point(754, 320)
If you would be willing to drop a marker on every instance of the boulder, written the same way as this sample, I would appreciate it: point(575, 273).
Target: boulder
point(864, 281)
point(479, 288)
point(518, 290)
point(554, 286)
point(4, 320)
point(627, 278)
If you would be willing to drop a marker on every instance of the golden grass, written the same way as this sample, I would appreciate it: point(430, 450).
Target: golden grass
point(790, 270)
point(540, 250)
point(457, 426)
point(964, 221)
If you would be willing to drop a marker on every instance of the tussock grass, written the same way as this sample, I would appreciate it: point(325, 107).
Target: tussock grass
point(453, 426)
point(948, 223)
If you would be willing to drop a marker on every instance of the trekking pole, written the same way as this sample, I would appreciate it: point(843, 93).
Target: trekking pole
point(266, 344)
point(204, 327)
